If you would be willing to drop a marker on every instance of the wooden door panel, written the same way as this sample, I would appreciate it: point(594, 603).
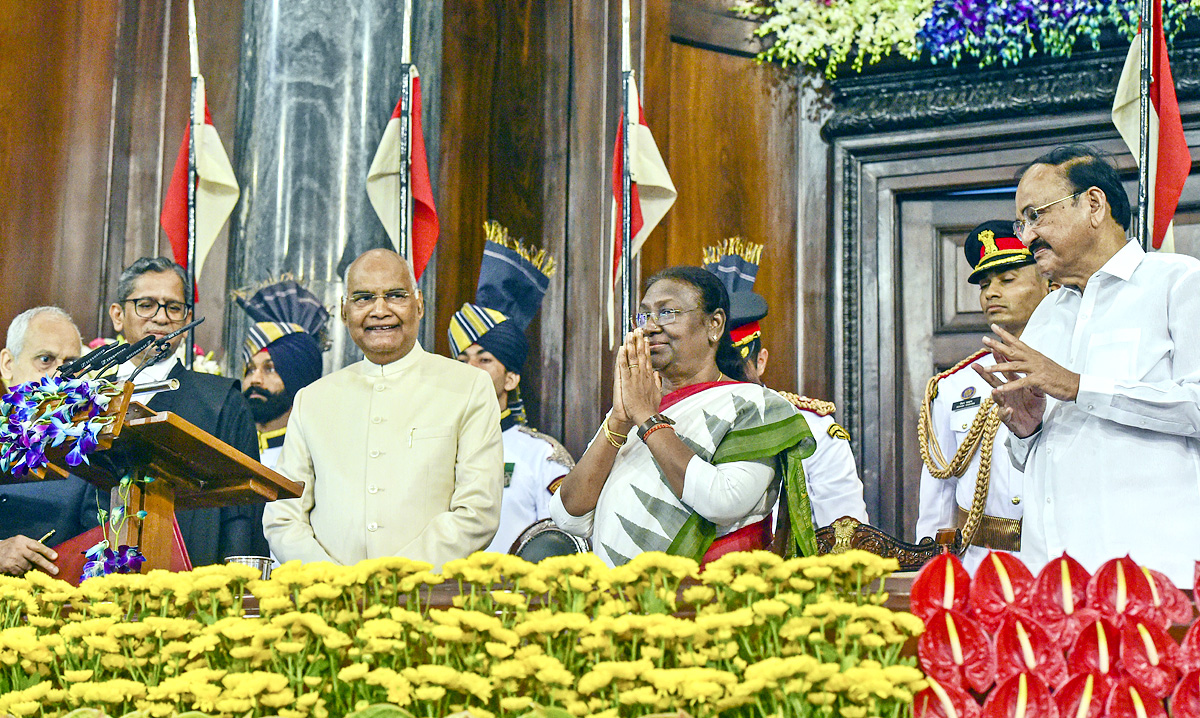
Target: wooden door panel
point(940, 314)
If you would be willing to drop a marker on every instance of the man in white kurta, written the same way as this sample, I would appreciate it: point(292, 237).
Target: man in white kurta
point(1103, 390)
point(400, 454)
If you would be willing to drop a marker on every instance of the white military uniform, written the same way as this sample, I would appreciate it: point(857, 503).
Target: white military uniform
point(834, 488)
point(959, 395)
point(533, 465)
point(270, 444)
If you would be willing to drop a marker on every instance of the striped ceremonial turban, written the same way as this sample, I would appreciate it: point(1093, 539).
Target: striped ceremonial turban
point(289, 322)
point(513, 279)
point(735, 262)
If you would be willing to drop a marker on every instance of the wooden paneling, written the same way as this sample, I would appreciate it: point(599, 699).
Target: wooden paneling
point(504, 85)
point(55, 95)
point(87, 92)
point(727, 128)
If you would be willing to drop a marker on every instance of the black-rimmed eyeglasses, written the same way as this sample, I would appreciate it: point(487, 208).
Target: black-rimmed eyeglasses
point(146, 308)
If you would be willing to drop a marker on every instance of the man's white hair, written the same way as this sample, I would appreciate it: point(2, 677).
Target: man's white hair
point(15, 342)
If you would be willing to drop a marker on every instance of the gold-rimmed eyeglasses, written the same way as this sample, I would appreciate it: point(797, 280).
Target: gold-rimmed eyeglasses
point(1030, 217)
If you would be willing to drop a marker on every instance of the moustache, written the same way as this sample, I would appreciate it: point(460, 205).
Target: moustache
point(1037, 244)
point(255, 391)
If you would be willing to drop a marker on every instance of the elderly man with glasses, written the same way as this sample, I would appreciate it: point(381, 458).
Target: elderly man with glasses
point(152, 300)
point(400, 454)
point(1102, 390)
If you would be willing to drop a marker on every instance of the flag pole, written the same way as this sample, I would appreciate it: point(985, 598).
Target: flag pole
point(1146, 26)
point(189, 351)
point(404, 207)
point(630, 115)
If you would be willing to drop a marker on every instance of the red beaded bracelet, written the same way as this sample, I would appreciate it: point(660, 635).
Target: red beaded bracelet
point(655, 428)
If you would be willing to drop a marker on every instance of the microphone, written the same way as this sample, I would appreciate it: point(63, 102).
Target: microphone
point(178, 331)
point(125, 351)
point(163, 346)
point(74, 368)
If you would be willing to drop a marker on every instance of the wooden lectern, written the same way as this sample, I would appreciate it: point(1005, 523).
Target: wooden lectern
point(174, 465)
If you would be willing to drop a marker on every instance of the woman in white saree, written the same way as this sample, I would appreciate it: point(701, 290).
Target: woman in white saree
point(691, 458)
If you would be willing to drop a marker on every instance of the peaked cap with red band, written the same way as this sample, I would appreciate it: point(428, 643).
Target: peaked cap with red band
point(993, 245)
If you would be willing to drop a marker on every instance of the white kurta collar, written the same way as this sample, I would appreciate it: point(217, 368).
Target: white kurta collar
point(1127, 259)
point(399, 366)
point(1121, 266)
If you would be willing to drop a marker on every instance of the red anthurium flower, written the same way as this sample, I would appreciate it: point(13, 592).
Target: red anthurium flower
point(1185, 701)
point(1095, 650)
point(955, 650)
point(1022, 646)
point(1189, 651)
point(1059, 592)
point(1082, 696)
point(1149, 655)
point(1000, 582)
point(1021, 696)
point(944, 701)
point(1130, 700)
point(1121, 588)
point(942, 583)
point(1173, 603)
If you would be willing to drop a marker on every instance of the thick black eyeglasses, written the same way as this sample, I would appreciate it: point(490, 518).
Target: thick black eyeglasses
point(146, 308)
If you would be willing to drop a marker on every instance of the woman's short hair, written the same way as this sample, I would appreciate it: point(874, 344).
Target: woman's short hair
point(713, 296)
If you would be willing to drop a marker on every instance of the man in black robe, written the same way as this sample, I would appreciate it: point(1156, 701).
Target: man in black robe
point(152, 300)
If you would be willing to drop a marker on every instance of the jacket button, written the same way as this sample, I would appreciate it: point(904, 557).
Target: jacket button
point(372, 526)
point(1016, 501)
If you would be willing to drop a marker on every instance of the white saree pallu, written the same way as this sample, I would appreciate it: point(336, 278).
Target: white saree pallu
point(721, 422)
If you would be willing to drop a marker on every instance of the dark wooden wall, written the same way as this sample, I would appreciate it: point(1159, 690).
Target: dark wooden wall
point(55, 102)
point(727, 128)
point(504, 82)
point(93, 103)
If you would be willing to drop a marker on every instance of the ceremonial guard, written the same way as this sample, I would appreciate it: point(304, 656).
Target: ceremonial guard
point(281, 356)
point(834, 487)
point(490, 334)
point(967, 481)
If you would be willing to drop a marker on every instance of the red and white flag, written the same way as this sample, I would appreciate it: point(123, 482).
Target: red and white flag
point(383, 183)
point(651, 194)
point(216, 188)
point(1170, 160)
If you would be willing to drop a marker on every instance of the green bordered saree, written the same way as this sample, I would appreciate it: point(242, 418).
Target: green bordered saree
point(721, 422)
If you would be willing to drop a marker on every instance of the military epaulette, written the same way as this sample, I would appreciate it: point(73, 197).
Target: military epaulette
point(959, 367)
point(558, 454)
point(816, 406)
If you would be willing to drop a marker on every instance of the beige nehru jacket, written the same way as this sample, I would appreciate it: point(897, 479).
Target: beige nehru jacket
point(396, 460)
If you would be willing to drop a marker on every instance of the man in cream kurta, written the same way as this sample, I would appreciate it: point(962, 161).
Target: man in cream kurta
point(399, 455)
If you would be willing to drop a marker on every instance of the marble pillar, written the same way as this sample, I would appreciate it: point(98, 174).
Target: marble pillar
point(318, 82)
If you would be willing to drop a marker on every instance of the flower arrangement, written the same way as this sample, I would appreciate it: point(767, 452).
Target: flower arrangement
point(826, 33)
point(47, 413)
point(1065, 643)
point(754, 635)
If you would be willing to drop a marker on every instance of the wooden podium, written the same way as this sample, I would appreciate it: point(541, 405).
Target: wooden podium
point(174, 465)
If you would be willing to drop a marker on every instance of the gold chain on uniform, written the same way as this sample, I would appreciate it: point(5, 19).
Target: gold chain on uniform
point(981, 435)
